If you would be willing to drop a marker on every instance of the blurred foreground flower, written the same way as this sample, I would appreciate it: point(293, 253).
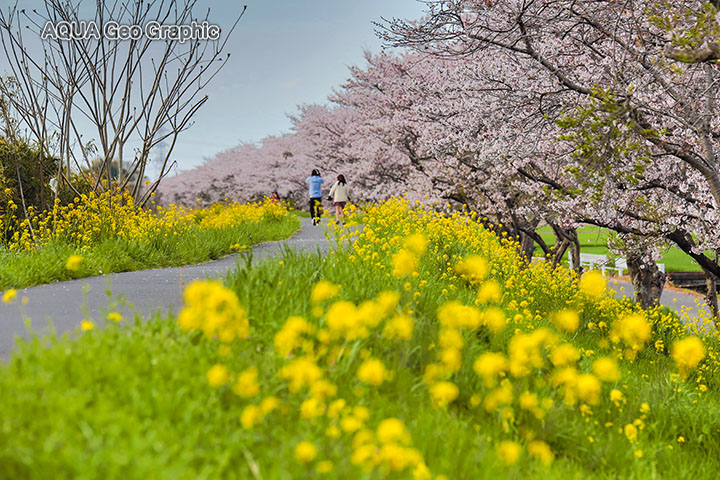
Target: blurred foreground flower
point(9, 296)
point(73, 263)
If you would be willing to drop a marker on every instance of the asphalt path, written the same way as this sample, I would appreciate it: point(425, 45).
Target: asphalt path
point(689, 306)
point(63, 305)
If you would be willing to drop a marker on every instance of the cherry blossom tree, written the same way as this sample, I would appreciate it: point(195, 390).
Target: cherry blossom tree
point(531, 112)
point(247, 172)
point(641, 90)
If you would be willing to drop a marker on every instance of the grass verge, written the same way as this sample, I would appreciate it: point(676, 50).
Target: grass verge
point(112, 254)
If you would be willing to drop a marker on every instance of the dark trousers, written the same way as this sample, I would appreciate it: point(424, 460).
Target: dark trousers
point(315, 207)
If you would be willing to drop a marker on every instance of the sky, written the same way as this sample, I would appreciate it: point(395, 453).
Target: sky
point(284, 53)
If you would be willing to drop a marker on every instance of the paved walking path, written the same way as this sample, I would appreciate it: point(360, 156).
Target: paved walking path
point(147, 290)
point(689, 306)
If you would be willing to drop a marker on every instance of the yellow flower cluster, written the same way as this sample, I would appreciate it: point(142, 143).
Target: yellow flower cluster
point(518, 346)
point(389, 450)
point(373, 371)
point(223, 215)
point(214, 309)
point(536, 360)
point(73, 263)
point(634, 331)
point(91, 218)
point(688, 353)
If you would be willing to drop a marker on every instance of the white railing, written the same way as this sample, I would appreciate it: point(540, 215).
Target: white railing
point(601, 262)
point(591, 261)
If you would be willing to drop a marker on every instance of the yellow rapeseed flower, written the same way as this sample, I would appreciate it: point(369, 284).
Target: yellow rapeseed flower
point(300, 372)
point(251, 416)
point(416, 243)
point(312, 408)
point(324, 290)
point(567, 320)
point(451, 338)
point(509, 452)
point(324, 466)
point(400, 327)
point(634, 330)
point(392, 430)
point(9, 295)
point(443, 393)
point(688, 353)
point(305, 452)
point(404, 263)
point(528, 400)
point(631, 432)
point(388, 301)
point(593, 284)
point(473, 268)
point(564, 355)
point(268, 404)
point(489, 366)
point(589, 388)
point(215, 309)
point(451, 358)
point(246, 384)
point(73, 263)
point(218, 376)
point(502, 395)
point(606, 369)
point(617, 397)
point(494, 318)
point(452, 314)
point(372, 371)
point(490, 292)
point(541, 451)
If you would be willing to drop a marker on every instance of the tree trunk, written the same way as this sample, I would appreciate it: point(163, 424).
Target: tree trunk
point(527, 247)
point(647, 280)
point(711, 297)
point(575, 251)
point(567, 238)
point(559, 250)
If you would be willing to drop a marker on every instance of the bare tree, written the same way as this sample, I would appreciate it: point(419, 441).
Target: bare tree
point(98, 95)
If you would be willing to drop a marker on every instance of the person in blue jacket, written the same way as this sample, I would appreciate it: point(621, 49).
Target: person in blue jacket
point(315, 182)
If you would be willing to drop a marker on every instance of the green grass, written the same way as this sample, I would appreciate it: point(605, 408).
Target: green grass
point(132, 401)
point(18, 270)
point(594, 240)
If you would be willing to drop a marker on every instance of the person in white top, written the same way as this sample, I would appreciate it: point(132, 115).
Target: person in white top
point(339, 194)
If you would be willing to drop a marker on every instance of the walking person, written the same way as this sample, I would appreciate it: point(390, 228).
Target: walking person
point(339, 194)
point(315, 182)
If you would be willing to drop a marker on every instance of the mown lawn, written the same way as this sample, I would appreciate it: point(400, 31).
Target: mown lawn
point(594, 240)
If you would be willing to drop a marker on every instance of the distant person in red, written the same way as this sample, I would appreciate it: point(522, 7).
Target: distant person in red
point(339, 194)
point(275, 197)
